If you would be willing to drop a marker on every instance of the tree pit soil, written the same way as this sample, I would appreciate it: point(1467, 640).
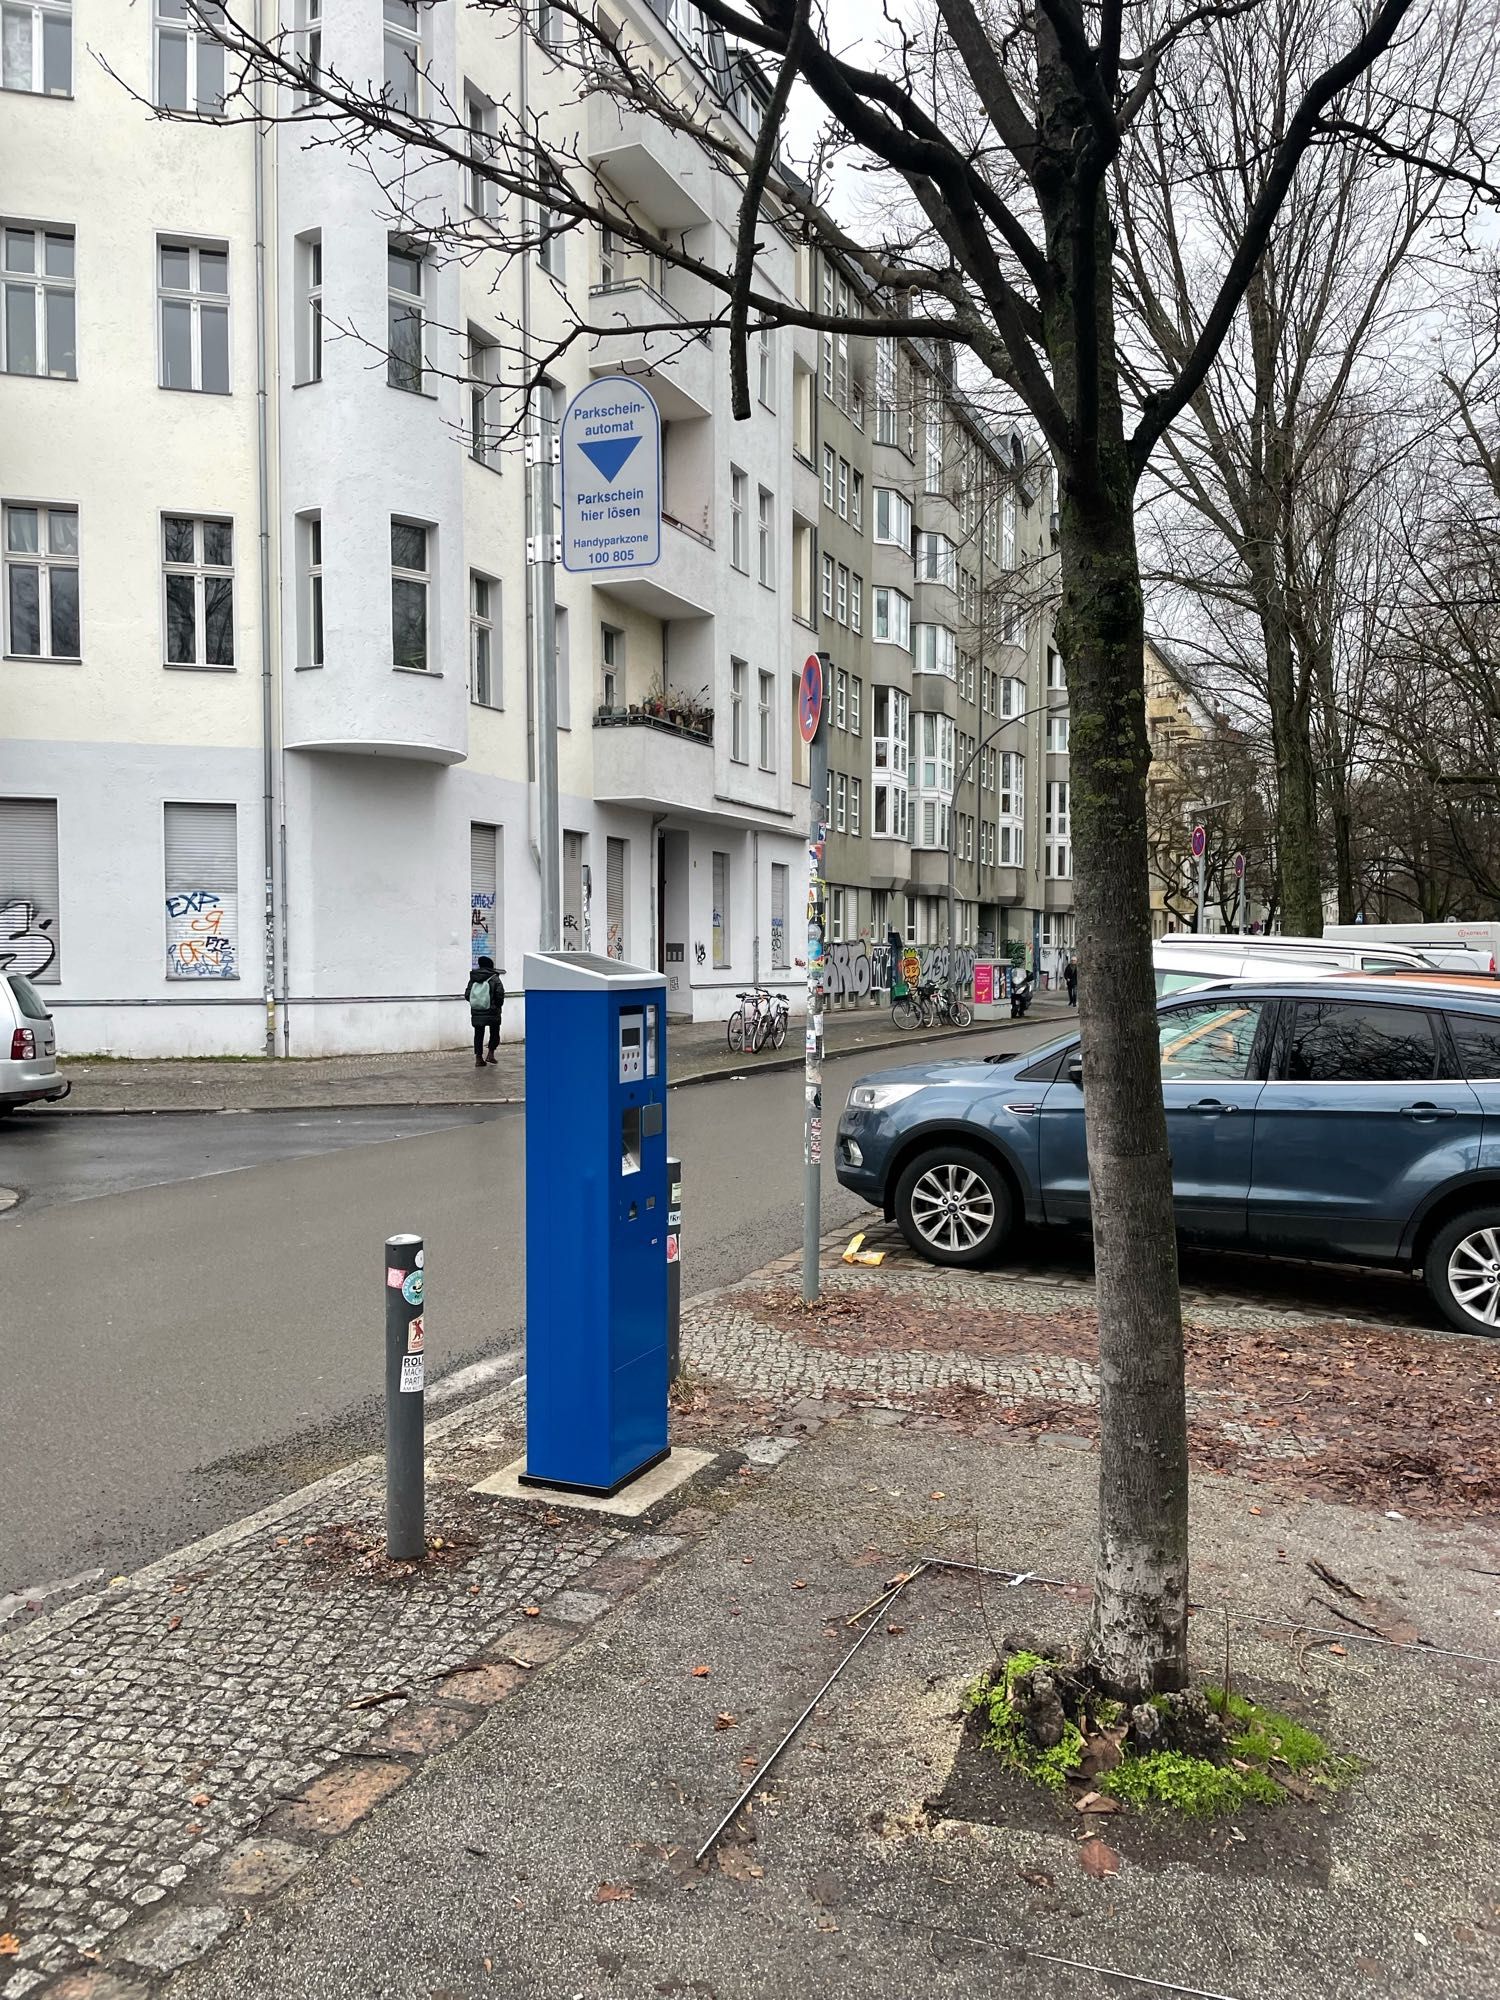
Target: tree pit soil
point(1291, 1844)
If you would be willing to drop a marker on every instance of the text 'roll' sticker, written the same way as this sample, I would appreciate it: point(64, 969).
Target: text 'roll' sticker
point(412, 1378)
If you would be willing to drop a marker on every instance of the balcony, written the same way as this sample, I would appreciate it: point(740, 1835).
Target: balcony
point(1000, 885)
point(648, 761)
point(672, 360)
point(681, 584)
point(664, 173)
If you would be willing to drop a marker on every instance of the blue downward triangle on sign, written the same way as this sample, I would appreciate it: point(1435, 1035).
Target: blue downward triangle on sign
point(608, 455)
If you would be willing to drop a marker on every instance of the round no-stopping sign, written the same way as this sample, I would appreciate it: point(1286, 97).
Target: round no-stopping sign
point(1239, 867)
point(810, 697)
point(1200, 841)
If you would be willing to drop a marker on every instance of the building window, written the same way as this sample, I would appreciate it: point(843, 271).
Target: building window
point(828, 586)
point(310, 617)
point(854, 808)
point(842, 599)
point(28, 868)
point(1059, 844)
point(843, 489)
point(856, 499)
point(830, 459)
point(201, 848)
point(932, 445)
point(193, 303)
point(840, 802)
point(721, 911)
point(309, 267)
point(936, 650)
point(309, 47)
point(937, 559)
point(768, 722)
point(38, 47)
point(38, 335)
point(611, 668)
point(480, 192)
point(41, 583)
point(486, 879)
point(198, 591)
point(886, 422)
point(836, 900)
point(403, 56)
point(738, 725)
point(739, 532)
point(189, 58)
point(616, 878)
point(484, 400)
point(1057, 734)
point(484, 675)
point(802, 412)
point(892, 616)
point(767, 360)
point(403, 318)
point(1057, 676)
point(856, 604)
point(410, 580)
point(892, 517)
point(1008, 531)
point(856, 690)
point(767, 537)
point(840, 698)
point(552, 239)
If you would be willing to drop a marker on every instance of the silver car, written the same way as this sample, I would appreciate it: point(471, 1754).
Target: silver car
point(28, 1046)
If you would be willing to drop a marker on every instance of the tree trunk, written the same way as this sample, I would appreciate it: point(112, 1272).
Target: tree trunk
point(1138, 1631)
point(1296, 782)
point(1336, 788)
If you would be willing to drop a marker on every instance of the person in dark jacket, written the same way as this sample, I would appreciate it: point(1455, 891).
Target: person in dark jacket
point(486, 998)
point(1070, 979)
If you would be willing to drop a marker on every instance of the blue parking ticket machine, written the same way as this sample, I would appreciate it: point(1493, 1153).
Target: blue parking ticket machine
point(596, 1221)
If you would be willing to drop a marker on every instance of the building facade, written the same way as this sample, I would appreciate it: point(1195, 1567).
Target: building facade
point(268, 712)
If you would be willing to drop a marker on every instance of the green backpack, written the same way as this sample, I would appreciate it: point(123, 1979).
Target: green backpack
point(481, 995)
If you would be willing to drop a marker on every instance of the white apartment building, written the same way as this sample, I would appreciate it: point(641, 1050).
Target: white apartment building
point(266, 719)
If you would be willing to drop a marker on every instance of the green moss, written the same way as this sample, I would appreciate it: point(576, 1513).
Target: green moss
point(1264, 1734)
point(1188, 1785)
point(1006, 1732)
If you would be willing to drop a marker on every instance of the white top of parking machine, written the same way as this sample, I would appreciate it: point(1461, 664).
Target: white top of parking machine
point(581, 972)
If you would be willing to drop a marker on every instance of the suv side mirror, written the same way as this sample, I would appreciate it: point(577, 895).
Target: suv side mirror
point(1075, 1071)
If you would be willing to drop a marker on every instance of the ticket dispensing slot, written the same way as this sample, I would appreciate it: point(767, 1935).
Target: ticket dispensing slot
point(630, 1139)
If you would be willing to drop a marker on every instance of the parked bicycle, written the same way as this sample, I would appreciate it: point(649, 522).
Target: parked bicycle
point(928, 1005)
point(761, 1017)
point(953, 1009)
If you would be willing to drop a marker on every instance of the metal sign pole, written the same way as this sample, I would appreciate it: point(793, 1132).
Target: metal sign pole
point(1200, 846)
point(811, 708)
point(541, 586)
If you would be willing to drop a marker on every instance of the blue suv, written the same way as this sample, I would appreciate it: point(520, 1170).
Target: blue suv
point(1352, 1120)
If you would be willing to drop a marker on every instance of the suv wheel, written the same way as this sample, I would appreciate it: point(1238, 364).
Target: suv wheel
point(953, 1206)
point(1462, 1270)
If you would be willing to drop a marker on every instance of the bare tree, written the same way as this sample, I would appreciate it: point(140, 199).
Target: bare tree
point(1019, 140)
point(1264, 459)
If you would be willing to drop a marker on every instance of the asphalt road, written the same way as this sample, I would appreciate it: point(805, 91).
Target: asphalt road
point(192, 1306)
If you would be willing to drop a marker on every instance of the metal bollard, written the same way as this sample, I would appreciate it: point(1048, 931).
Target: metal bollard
point(405, 1400)
point(674, 1268)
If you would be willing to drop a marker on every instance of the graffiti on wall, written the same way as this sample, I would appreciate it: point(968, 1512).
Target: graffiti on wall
point(202, 932)
point(27, 944)
point(858, 969)
point(482, 925)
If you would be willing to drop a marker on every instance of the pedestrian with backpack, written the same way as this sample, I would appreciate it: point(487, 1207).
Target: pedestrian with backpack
point(486, 998)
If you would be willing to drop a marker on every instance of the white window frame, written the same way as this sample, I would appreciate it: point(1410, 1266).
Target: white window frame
point(856, 603)
point(892, 609)
point(44, 286)
point(485, 686)
point(200, 304)
point(854, 808)
point(856, 498)
point(612, 684)
point(739, 681)
point(935, 650)
point(843, 489)
point(766, 533)
point(481, 196)
point(892, 518)
point(767, 719)
point(483, 380)
point(1057, 733)
point(841, 595)
point(186, 20)
point(41, 15)
point(309, 355)
point(312, 633)
point(45, 560)
point(1008, 531)
point(403, 574)
point(840, 698)
point(739, 540)
point(936, 558)
point(827, 590)
point(202, 573)
point(766, 372)
point(413, 304)
point(830, 460)
point(840, 801)
point(1057, 673)
point(402, 35)
point(1059, 842)
point(308, 38)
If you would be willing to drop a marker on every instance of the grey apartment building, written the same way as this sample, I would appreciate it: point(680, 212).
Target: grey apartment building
point(933, 596)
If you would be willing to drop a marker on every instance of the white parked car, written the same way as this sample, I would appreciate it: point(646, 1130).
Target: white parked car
point(1188, 959)
point(28, 1046)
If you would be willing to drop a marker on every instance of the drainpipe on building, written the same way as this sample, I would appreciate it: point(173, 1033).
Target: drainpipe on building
point(755, 906)
point(269, 841)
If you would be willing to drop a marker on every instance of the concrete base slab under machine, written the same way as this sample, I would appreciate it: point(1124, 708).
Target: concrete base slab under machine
point(680, 1465)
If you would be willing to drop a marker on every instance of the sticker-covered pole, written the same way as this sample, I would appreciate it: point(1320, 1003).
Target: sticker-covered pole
point(674, 1269)
point(405, 1397)
point(812, 721)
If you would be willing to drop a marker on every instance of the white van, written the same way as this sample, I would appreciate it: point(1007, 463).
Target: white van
point(1183, 961)
point(1451, 947)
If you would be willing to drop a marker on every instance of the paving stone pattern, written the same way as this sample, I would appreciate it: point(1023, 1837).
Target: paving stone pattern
point(146, 1730)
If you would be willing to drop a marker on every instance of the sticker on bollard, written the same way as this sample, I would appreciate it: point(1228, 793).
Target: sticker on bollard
point(411, 1374)
point(411, 1288)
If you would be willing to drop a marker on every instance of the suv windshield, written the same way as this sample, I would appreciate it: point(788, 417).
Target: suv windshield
point(28, 999)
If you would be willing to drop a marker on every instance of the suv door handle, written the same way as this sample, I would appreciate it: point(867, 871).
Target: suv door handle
point(1425, 1113)
point(1213, 1105)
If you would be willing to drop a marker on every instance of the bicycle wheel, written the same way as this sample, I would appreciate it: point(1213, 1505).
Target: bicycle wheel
point(762, 1031)
point(961, 1013)
point(906, 1012)
point(778, 1032)
point(737, 1030)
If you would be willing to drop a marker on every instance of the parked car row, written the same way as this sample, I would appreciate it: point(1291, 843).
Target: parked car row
point(1351, 1117)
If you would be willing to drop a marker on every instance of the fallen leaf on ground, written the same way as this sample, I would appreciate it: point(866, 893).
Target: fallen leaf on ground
point(827, 1924)
point(701, 1673)
point(1037, 1877)
point(486, 1964)
point(800, 1584)
point(10, 1944)
point(724, 1720)
point(613, 1892)
point(173, 1623)
point(894, 1629)
point(1096, 1802)
point(749, 1763)
point(737, 1865)
point(1097, 1857)
point(1256, 1510)
point(937, 1496)
point(201, 1799)
point(1339, 1652)
point(531, 1611)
